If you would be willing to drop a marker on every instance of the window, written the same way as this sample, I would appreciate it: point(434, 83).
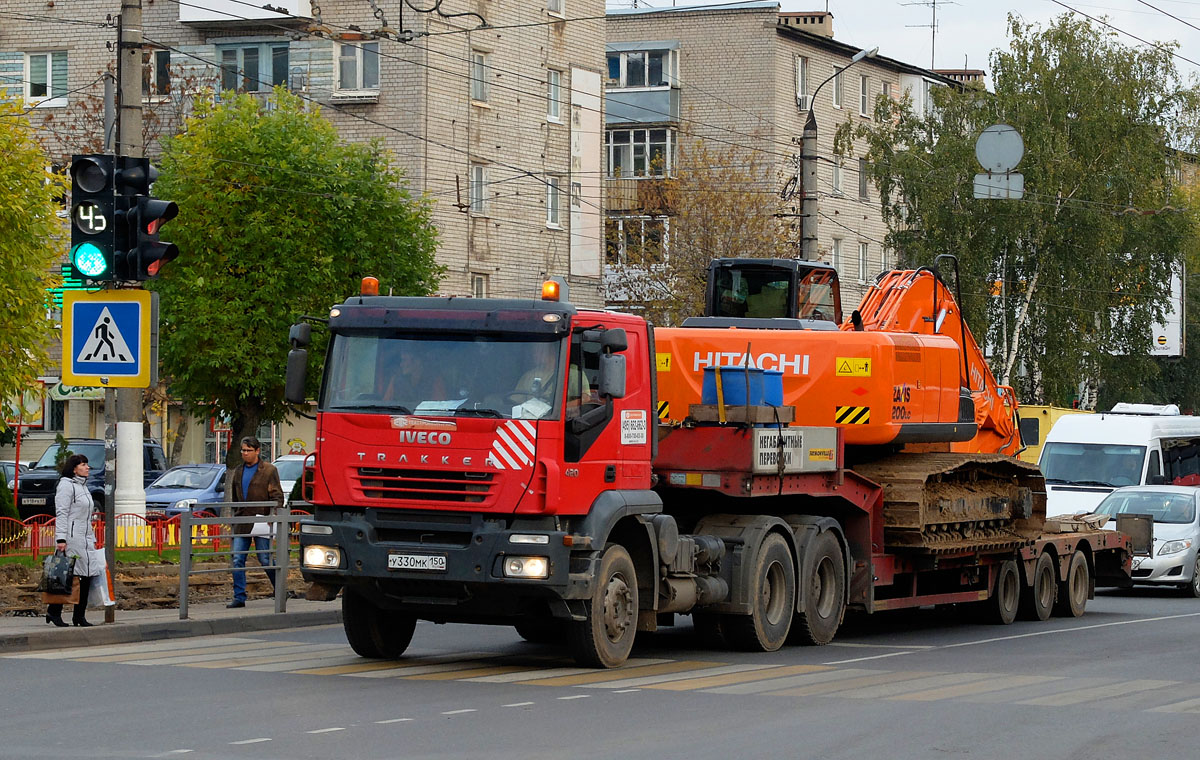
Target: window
point(254, 68)
point(862, 96)
point(636, 241)
point(862, 180)
point(837, 253)
point(553, 201)
point(156, 73)
point(479, 76)
point(56, 421)
point(837, 86)
point(555, 7)
point(46, 78)
point(553, 95)
point(887, 89)
point(802, 83)
point(863, 260)
point(640, 152)
point(837, 177)
point(642, 68)
point(358, 66)
point(476, 189)
point(479, 283)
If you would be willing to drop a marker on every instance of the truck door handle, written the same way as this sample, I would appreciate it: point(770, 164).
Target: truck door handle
point(610, 473)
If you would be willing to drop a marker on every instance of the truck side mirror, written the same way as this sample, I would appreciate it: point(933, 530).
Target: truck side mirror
point(614, 340)
point(297, 371)
point(300, 335)
point(612, 375)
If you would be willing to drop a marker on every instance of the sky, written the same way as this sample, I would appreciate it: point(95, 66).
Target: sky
point(973, 28)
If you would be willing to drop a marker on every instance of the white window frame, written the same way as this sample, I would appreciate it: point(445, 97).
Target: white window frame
point(52, 98)
point(357, 53)
point(802, 100)
point(554, 208)
point(477, 182)
point(864, 253)
point(837, 177)
point(480, 68)
point(611, 149)
point(152, 67)
point(479, 285)
point(887, 89)
point(556, 7)
point(836, 254)
point(837, 86)
point(266, 65)
point(626, 226)
point(670, 70)
point(863, 88)
point(554, 95)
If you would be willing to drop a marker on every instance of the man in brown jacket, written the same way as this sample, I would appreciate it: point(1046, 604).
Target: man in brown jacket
point(253, 480)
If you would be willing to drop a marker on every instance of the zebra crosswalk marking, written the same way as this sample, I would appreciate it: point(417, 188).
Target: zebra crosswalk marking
point(139, 647)
point(995, 683)
point(530, 675)
point(900, 687)
point(418, 666)
point(647, 681)
point(1189, 705)
point(622, 673)
point(813, 674)
point(712, 679)
point(288, 656)
point(846, 684)
point(1075, 696)
point(164, 656)
point(457, 675)
point(194, 658)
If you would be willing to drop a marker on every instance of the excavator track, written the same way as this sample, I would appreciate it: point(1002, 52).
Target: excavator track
point(952, 502)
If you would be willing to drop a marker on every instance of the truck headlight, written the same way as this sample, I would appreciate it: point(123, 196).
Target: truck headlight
point(1174, 547)
point(526, 567)
point(322, 557)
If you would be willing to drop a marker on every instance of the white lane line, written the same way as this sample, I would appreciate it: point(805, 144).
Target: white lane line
point(881, 646)
point(577, 696)
point(326, 730)
point(520, 704)
point(458, 712)
point(393, 720)
point(626, 691)
point(1069, 630)
point(174, 752)
point(252, 741)
point(861, 659)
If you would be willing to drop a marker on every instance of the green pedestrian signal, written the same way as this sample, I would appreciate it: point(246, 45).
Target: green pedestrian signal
point(90, 261)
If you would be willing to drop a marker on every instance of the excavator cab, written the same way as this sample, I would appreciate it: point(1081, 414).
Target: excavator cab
point(771, 289)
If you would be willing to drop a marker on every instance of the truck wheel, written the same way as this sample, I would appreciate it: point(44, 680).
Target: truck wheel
point(1073, 593)
point(1037, 599)
point(825, 602)
point(605, 639)
point(541, 630)
point(375, 633)
point(1192, 589)
point(773, 600)
point(1002, 607)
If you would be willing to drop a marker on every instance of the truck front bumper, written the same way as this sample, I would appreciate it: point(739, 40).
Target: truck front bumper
point(447, 567)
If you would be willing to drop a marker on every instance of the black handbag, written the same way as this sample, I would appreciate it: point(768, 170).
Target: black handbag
point(57, 573)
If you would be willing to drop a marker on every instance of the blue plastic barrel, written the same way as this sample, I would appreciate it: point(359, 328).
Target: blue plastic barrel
point(733, 383)
point(772, 387)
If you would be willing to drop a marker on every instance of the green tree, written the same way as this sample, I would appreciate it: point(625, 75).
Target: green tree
point(277, 218)
point(30, 242)
point(1064, 283)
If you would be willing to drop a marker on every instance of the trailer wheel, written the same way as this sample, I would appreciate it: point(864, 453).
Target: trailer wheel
point(1002, 607)
point(375, 633)
point(605, 639)
point(1037, 599)
point(542, 630)
point(825, 602)
point(773, 595)
point(1073, 593)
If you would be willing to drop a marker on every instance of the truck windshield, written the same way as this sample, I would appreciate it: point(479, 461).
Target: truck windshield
point(502, 376)
point(1096, 464)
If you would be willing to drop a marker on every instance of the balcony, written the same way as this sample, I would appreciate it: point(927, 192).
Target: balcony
point(639, 196)
point(235, 12)
point(657, 106)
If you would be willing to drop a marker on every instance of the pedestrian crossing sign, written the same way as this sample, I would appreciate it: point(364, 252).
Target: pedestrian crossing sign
point(107, 338)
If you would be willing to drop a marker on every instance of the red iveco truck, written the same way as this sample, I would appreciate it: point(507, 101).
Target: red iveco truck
point(525, 462)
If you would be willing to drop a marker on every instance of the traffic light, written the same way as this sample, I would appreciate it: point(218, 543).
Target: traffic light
point(93, 217)
point(151, 253)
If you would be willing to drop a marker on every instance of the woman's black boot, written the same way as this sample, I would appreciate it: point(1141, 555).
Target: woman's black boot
point(56, 619)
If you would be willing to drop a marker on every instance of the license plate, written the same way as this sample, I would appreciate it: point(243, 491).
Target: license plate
point(431, 562)
point(31, 500)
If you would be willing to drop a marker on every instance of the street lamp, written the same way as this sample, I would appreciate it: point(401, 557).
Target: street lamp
point(808, 163)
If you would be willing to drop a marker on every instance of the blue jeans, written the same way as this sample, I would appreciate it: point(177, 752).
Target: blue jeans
point(241, 548)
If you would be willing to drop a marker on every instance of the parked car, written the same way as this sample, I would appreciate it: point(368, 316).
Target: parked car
point(9, 470)
point(291, 467)
point(37, 486)
point(187, 488)
point(1173, 559)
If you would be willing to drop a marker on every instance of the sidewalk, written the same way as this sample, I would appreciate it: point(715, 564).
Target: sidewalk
point(25, 634)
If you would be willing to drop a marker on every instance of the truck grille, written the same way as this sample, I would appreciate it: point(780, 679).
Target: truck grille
point(425, 485)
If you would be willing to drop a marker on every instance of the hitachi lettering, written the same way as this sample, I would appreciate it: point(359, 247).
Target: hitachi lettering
point(413, 436)
point(795, 364)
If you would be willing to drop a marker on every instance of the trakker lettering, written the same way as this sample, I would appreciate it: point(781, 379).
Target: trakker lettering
point(423, 459)
point(795, 364)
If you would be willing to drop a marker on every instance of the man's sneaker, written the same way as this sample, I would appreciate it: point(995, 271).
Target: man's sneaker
point(235, 603)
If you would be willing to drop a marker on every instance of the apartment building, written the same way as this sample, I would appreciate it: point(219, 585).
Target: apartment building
point(747, 74)
point(492, 107)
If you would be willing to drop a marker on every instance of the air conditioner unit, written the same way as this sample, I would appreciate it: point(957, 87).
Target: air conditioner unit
point(803, 102)
point(355, 96)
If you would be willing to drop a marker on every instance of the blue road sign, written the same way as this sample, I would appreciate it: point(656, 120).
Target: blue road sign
point(106, 338)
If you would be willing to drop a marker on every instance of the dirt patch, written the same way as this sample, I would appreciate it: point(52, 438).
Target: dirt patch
point(140, 586)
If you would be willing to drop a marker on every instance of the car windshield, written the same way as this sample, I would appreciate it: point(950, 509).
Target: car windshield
point(93, 451)
point(289, 469)
point(186, 477)
point(1164, 507)
point(1102, 464)
point(512, 376)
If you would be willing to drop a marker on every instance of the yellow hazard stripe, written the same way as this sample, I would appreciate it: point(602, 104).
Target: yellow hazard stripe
point(664, 410)
point(852, 415)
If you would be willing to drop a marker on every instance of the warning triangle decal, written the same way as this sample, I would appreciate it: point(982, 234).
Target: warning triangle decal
point(844, 367)
point(105, 343)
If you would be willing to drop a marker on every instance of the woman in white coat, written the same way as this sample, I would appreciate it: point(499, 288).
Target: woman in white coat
point(73, 533)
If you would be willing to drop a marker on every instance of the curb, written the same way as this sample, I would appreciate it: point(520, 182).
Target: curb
point(130, 633)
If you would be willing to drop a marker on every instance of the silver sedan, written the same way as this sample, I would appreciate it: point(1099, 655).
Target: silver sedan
point(1173, 560)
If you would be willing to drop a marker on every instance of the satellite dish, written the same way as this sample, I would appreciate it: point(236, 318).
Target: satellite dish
point(999, 148)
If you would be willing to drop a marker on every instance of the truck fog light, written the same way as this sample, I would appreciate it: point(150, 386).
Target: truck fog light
point(526, 567)
point(528, 538)
point(322, 556)
point(315, 529)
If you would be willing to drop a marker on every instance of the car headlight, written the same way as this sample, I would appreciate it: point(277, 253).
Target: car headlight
point(526, 567)
point(322, 557)
point(1174, 547)
point(183, 504)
